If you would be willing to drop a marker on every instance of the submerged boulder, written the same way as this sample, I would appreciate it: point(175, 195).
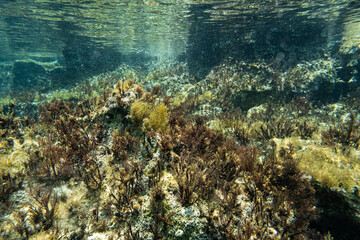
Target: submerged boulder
point(27, 75)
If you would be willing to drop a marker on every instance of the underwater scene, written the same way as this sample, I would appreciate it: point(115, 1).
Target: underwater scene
point(180, 119)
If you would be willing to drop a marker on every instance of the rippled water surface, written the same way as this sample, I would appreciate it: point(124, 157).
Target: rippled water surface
point(91, 37)
point(165, 29)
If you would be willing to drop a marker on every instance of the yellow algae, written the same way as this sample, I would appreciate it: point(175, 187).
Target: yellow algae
point(154, 117)
point(139, 110)
point(14, 159)
point(158, 118)
point(206, 96)
point(330, 168)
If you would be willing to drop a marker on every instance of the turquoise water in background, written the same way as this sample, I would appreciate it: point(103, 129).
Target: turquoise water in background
point(90, 37)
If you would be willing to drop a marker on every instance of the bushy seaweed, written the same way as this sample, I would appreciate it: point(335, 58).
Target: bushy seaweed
point(346, 134)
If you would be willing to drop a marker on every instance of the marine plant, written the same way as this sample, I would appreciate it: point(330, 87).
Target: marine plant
point(122, 145)
point(36, 213)
point(6, 119)
point(159, 213)
point(242, 135)
point(50, 160)
point(281, 128)
point(304, 130)
point(281, 202)
point(191, 175)
point(158, 118)
point(210, 163)
point(68, 151)
point(346, 134)
point(44, 207)
point(139, 110)
point(133, 171)
point(148, 114)
point(301, 105)
point(9, 183)
point(10, 123)
point(132, 234)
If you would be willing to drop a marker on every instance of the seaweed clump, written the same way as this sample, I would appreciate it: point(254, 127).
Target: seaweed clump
point(68, 151)
point(345, 134)
point(152, 117)
point(279, 129)
point(35, 212)
point(207, 166)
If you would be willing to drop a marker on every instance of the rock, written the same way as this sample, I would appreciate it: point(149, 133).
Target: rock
point(28, 75)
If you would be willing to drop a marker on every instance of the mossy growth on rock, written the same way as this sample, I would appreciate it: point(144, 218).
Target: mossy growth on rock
point(158, 118)
point(139, 111)
point(331, 169)
point(153, 117)
point(235, 176)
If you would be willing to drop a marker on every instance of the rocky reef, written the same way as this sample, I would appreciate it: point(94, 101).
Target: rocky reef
point(182, 162)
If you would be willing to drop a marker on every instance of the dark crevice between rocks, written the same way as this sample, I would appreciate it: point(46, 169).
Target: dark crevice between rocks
point(337, 214)
point(248, 99)
point(325, 93)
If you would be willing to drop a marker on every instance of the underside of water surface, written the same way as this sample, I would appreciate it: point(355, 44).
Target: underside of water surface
point(165, 119)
